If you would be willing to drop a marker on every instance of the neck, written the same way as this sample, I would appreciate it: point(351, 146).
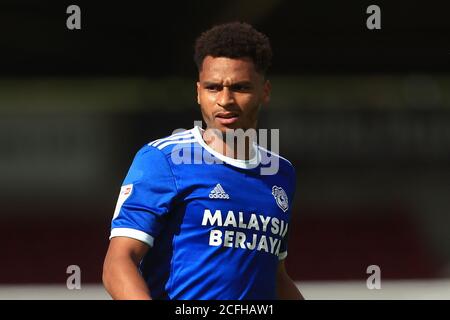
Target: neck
point(230, 145)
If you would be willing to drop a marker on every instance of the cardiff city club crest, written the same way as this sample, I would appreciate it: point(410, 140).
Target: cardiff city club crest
point(280, 197)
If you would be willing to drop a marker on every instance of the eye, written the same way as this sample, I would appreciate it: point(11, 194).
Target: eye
point(241, 88)
point(213, 87)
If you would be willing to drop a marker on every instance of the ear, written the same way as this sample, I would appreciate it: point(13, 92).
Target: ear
point(266, 92)
point(198, 92)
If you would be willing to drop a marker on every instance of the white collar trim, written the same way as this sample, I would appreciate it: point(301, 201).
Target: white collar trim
point(243, 164)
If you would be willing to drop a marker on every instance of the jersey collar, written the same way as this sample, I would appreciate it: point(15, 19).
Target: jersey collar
point(243, 164)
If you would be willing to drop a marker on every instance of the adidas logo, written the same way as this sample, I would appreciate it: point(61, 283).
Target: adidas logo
point(218, 193)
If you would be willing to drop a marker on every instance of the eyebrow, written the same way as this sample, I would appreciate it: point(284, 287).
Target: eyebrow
point(240, 83)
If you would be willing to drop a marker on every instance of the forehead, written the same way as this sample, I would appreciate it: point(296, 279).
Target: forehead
point(220, 68)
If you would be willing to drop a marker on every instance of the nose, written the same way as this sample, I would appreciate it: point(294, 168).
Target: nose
point(225, 97)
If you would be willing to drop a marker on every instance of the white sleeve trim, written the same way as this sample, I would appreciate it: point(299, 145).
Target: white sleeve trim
point(132, 233)
point(282, 255)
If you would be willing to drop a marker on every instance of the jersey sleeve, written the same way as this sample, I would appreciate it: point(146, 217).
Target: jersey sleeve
point(146, 197)
point(284, 241)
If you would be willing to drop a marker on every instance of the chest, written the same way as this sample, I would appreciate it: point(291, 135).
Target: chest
point(225, 197)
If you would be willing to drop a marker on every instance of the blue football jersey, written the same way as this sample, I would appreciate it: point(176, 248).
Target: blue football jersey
point(216, 226)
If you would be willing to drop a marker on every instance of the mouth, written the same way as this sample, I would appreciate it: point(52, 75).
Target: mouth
point(227, 117)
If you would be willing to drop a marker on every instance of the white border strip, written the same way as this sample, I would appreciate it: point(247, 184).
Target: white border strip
point(420, 289)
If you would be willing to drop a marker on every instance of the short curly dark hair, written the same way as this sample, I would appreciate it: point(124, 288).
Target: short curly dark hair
point(234, 40)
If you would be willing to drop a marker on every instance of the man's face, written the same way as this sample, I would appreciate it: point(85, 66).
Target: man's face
point(230, 93)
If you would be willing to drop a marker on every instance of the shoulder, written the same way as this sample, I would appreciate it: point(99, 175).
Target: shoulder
point(162, 147)
point(285, 165)
point(166, 144)
point(155, 156)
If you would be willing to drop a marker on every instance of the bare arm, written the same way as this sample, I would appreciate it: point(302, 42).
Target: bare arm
point(121, 276)
point(286, 288)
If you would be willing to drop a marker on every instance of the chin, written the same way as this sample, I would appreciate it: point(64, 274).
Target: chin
point(233, 126)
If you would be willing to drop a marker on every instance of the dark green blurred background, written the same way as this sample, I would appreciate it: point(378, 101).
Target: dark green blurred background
point(363, 115)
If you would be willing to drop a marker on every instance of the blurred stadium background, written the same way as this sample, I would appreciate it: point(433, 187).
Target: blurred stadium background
point(363, 115)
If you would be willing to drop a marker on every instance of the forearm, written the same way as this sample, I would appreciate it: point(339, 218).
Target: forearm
point(287, 290)
point(123, 281)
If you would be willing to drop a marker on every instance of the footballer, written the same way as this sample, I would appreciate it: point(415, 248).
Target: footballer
point(215, 229)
